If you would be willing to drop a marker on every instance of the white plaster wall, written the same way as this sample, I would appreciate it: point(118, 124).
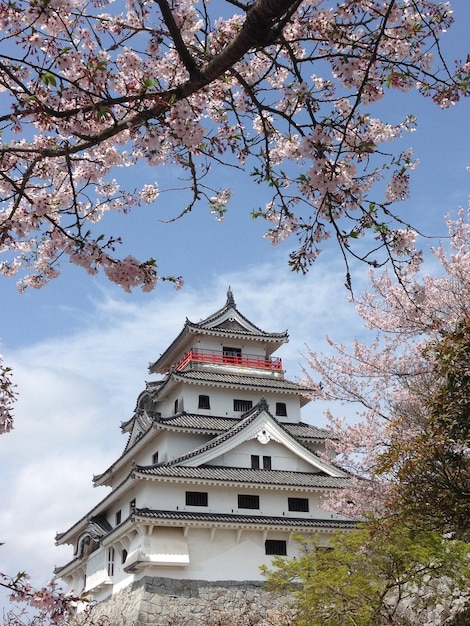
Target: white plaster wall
point(224, 555)
point(178, 444)
point(221, 402)
point(123, 504)
point(172, 497)
point(169, 445)
point(213, 343)
point(281, 457)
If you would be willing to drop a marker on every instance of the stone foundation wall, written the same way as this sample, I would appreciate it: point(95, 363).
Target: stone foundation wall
point(156, 601)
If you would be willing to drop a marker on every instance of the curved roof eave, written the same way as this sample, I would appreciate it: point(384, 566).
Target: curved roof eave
point(242, 477)
point(226, 520)
point(234, 381)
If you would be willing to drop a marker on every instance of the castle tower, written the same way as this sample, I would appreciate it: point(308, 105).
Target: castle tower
point(218, 471)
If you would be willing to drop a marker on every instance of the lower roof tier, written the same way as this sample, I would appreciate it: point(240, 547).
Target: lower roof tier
point(236, 520)
point(243, 476)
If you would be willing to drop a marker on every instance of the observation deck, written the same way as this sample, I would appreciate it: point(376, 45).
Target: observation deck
point(214, 357)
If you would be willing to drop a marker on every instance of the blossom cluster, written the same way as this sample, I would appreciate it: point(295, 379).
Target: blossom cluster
point(49, 603)
point(7, 398)
point(391, 377)
point(95, 88)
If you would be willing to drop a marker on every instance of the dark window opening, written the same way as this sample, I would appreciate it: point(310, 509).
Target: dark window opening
point(281, 409)
point(254, 461)
point(196, 498)
point(267, 462)
point(298, 504)
point(248, 502)
point(155, 458)
point(204, 402)
point(242, 405)
point(123, 556)
point(176, 406)
point(275, 546)
point(231, 355)
point(118, 517)
point(111, 562)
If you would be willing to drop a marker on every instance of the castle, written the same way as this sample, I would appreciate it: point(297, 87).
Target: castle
point(218, 472)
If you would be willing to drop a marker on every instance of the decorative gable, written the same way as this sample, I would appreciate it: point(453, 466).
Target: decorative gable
point(230, 324)
point(258, 424)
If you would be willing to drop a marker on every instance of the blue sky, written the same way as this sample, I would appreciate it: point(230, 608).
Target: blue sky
point(80, 347)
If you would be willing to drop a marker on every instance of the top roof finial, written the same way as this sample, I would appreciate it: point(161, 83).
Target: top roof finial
point(230, 299)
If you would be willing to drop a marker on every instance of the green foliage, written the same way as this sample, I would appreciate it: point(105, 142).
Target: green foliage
point(433, 467)
point(376, 575)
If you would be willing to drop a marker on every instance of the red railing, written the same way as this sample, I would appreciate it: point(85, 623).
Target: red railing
point(219, 358)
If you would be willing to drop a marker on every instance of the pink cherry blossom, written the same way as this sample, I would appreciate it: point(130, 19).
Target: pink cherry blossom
point(91, 87)
point(7, 398)
point(388, 378)
point(49, 604)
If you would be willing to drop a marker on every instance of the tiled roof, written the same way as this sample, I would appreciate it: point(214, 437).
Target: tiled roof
point(216, 424)
point(247, 381)
point(282, 478)
point(210, 322)
point(249, 520)
point(98, 527)
point(234, 330)
point(307, 431)
point(219, 436)
point(210, 423)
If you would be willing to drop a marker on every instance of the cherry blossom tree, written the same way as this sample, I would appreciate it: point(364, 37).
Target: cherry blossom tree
point(46, 606)
point(7, 398)
point(410, 389)
point(432, 467)
point(277, 88)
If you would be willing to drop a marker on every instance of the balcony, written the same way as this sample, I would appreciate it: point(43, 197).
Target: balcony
point(213, 357)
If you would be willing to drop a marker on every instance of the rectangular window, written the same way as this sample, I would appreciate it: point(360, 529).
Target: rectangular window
point(254, 461)
point(242, 405)
point(267, 462)
point(176, 406)
point(231, 355)
point(275, 546)
point(118, 517)
point(248, 502)
point(204, 402)
point(298, 504)
point(155, 458)
point(196, 498)
point(110, 561)
point(281, 409)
